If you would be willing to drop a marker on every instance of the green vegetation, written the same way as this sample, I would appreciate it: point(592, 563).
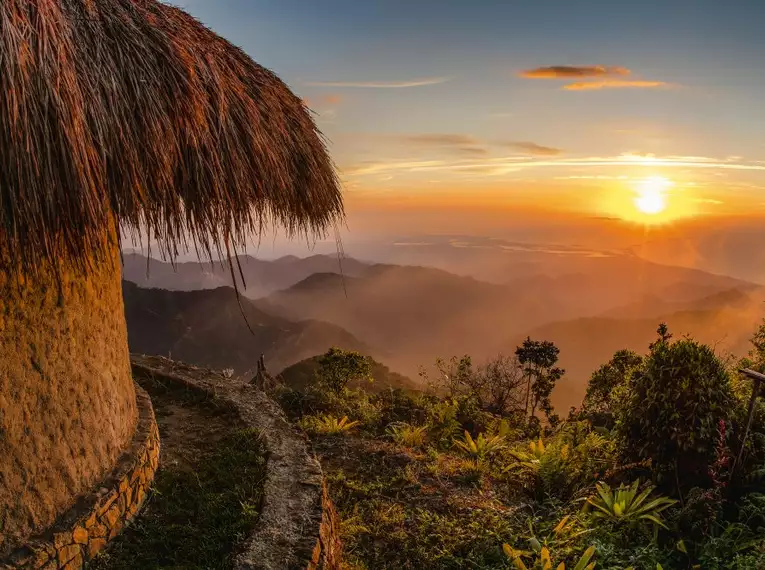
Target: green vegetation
point(303, 374)
point(479, 472)
point(676, 402)
point(327, 425)
point(207, 492)
point(408, 435)
point(627, 505)
point(338, 367)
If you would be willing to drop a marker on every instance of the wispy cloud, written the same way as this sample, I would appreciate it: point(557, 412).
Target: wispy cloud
point(505, 165)
point(709, 201)
point(614, 84)
point(392, 166)
point(443, 139)
point(534, 148)
point(450, 142)
point(574, 71)
point(460, 143)
point(419, 82)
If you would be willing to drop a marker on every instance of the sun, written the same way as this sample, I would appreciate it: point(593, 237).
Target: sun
point(651, 196)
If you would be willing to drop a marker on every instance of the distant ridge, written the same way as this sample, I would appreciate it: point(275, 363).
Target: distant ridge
point(206, 328)
point(261, 277)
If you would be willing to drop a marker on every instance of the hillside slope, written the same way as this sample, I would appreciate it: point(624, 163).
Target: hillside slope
point(586, 343)
point(206, 328)
point(413, 313)
point(417, 314)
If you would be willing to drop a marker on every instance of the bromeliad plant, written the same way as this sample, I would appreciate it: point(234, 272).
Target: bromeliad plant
point(543, 560)
point(557, 541)
point(626, 505)
point(407, 434)
point(481, 447)
point(327, 424)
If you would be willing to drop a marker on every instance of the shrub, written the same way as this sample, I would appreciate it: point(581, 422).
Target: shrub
point(338, 367)
point(481, 447)
point(627, 506)
point(543, 560)
point(407, 434)
point(606, 387)
point(677, 399)
point(327, 425)
point(569, 462)
point(442, 422)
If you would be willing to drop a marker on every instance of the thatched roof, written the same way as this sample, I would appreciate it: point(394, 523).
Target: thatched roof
point(134, 107)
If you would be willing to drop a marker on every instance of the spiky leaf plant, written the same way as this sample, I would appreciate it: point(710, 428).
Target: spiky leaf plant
point(481, 447)
point(627, 505)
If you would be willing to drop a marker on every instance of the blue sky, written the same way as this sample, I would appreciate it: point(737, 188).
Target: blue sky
point(682, 81)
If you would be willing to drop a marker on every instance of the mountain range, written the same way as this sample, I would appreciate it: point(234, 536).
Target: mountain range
point(260, 277)
point(407, 316)
point(210, 328)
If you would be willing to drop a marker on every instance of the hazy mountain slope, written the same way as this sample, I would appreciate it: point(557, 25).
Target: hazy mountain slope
point(654, 305)
point(302, 374)
point(416, 314)
point(206, 328)
point(260, 276)
point(412, 313)
point(587, 343)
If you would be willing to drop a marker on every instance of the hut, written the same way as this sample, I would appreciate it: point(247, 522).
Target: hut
point(120, 118)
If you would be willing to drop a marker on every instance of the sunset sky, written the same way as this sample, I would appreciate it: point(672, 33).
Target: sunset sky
point(578, 107)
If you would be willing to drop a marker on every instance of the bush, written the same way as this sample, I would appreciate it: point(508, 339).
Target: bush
point(408, 435)
point(676, 400)
point(572, 460)
point(327, 425)
point(338, 367)
point(606, 387)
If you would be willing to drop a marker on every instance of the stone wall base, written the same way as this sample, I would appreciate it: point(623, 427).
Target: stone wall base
point(84, 530)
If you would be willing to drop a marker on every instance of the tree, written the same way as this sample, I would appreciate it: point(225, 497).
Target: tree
point(496, 385)
point(337, 367)
point(664, 336)
point(607, 379)
point(499, 384)
point(452, 376)
point(538, 359)
point(677, 398)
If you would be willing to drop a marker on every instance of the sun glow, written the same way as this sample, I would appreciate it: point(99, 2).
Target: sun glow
point(651, 196)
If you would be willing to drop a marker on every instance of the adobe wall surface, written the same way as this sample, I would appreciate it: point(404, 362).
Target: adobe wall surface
point(99, 516)
point(67, 402)
point(298, 525)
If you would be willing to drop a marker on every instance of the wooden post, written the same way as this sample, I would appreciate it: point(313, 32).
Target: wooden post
point(757, 379)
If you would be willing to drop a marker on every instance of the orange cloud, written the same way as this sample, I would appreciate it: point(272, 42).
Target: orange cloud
point(573, 71)
point(534, 148)
point(332, 99)
point(614, 84)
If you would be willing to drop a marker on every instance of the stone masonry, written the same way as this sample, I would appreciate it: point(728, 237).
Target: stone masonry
point(298, 525)
point(97, 518)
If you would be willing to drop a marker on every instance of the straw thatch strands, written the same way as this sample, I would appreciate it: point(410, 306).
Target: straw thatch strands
point(133, 107)
point(119, 114)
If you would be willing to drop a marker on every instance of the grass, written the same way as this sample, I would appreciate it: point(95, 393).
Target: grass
point(206, 495)
point(404, 509)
